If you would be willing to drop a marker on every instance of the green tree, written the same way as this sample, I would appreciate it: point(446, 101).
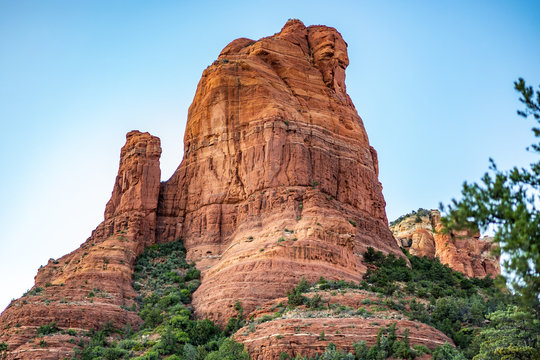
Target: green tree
point(3, 349)
point(237, 321)
point(447, 352)
point(509, 200)
point(511, 334)
point(229, 350)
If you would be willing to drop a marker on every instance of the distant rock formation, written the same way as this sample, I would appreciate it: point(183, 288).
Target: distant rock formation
point(463, 250)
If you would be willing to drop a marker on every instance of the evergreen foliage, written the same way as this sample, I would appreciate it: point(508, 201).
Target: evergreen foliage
point(48, 329)
point(509, 200)
point(417, 214)
point(236, 322)
point(165, 282)
point(457, 305)
point(510, 335)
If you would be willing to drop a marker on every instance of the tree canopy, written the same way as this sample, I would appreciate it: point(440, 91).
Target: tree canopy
point(509, 200)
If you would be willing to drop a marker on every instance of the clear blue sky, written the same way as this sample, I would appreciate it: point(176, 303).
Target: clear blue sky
point(432, 81)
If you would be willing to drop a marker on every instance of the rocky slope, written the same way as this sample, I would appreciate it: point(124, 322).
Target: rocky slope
point(278, 182)
point(352, 316)
point(92, 285)
point(463, 251)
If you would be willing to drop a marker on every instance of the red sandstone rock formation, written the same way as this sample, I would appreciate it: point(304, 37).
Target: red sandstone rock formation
point(278, 182)
point(274, 149)
point(463, 251)
point(92, 285)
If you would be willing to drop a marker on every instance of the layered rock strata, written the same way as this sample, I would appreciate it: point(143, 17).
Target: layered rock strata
point(462, 250)
point(347, 320)
point(278, 179)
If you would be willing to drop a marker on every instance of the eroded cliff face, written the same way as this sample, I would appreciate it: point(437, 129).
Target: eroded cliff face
point(278, 179)
point(92, 285)
point(463, 250)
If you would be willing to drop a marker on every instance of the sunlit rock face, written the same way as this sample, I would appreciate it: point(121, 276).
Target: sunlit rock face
point(278, 179)
point(463, 250)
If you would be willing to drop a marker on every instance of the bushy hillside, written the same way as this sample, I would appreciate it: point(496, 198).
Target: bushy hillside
point(165, 282)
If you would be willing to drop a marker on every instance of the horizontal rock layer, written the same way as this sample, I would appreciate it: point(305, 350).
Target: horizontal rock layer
point(299, 332)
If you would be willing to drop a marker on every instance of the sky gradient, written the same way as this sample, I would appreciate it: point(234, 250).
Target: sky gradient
point(432, 81)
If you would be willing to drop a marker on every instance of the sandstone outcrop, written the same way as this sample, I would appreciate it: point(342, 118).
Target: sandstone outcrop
point(92, 285)
point(462, 250)
point(278, 179)
point(302, 336)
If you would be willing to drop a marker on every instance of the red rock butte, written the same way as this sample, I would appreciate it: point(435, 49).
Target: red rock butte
point(278, 182)
point(278, 179)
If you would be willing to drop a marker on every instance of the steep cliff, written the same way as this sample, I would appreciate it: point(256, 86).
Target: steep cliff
point(464, 251)
point(278, 179)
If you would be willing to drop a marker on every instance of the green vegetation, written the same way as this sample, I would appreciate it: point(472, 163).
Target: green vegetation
point(508, 200)
point(447, 352)
point(456, 305)
point(418, 213)
point(33, 291)
point(165, 282)
point(511, 335)
point(48, 329)
point(236, 322)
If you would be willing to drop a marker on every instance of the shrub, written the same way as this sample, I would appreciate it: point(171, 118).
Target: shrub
point(228, 349)
point(237, 321)
point(447, 352)
point(48, 329)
